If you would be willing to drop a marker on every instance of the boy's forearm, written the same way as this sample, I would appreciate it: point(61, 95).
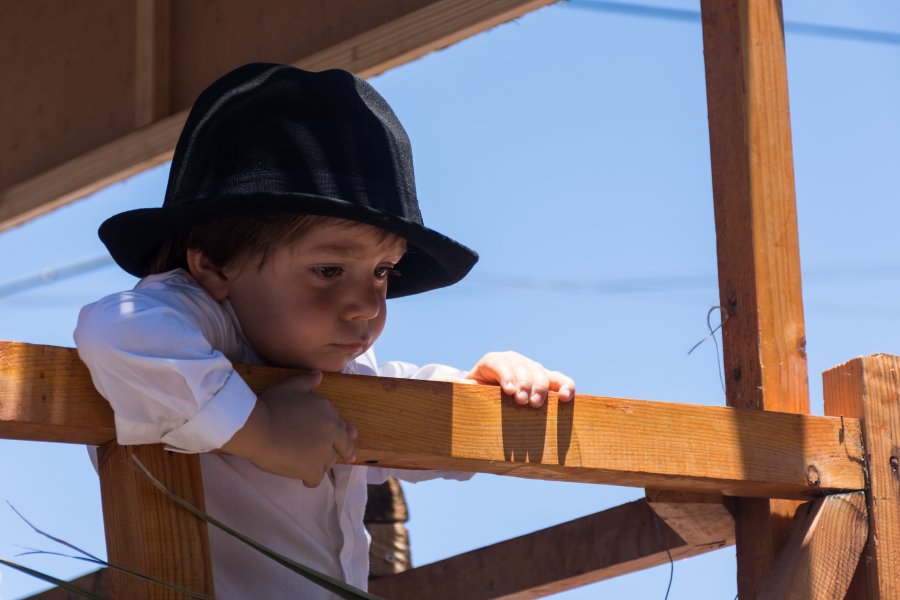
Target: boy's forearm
point(294, 433)
point(251, 440)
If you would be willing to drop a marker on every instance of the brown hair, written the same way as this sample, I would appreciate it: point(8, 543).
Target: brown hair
point(241, 237)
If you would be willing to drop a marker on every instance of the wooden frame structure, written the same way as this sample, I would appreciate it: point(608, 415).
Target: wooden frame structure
point(714, 476)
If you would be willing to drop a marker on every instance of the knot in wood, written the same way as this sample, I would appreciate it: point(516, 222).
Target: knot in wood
point(895, 464)
point(812, 475)
point(736, 372)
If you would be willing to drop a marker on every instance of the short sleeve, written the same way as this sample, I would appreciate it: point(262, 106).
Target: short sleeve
point(150, 355)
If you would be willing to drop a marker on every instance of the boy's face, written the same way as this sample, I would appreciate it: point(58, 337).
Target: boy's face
point(318, 302)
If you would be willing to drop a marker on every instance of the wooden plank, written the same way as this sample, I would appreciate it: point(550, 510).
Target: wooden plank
point(68, 84)
point(437, 425)
point(868, 388)
point(401, 40)
point(46, 394)
point(97, 582)
point(211, 37)
point(822, 551)
point(697, 518)
point(614, 542)
point(389, 551)
point(764, 342)
point(152, 61)
point(146, 531)
point(385, 520)
point(431, 28)
point(90, 172)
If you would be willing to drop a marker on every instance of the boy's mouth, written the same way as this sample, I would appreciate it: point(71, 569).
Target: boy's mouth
point(353, 347)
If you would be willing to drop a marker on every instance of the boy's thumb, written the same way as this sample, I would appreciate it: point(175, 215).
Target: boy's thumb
point(311, 379)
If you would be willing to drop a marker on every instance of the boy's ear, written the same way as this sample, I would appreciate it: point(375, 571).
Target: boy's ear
point(210, 277)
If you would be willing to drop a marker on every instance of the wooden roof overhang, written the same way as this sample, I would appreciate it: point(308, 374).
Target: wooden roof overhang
point(95, 92)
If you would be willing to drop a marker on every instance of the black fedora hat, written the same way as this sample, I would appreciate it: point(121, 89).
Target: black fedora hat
point(275, 138)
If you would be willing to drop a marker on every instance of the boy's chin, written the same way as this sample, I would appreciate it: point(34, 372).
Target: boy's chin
point(326, 366)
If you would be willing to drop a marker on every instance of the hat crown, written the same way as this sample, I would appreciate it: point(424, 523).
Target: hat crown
point(266, 129)
point(269, 138)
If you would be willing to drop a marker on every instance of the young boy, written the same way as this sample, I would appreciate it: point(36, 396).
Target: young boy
point(289, 218)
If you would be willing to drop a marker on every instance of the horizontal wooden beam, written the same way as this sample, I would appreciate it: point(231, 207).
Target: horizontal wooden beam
point(400, 40)
point(699, 519)
point(46, 394)
point(95, 581)
point(614, 542)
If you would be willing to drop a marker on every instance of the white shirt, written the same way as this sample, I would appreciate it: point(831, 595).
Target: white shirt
point(162, 355)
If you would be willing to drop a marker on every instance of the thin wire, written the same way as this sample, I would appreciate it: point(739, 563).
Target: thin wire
point(712, 334)
point(668, 553)
point(45, 276)
point(693, 16)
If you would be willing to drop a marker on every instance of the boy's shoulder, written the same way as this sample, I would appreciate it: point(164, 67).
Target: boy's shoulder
point(173, 290)
point(163, 304)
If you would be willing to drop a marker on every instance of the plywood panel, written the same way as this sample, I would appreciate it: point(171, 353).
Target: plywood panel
point(68, 81)
point(66, 175)
point(211, 38)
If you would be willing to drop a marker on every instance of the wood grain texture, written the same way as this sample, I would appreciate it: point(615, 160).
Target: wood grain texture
point(389, 552)
point(152, 61)
point(68, 82)
point(437, 425)
point(764, 341)
point(104, 161)
point(430, 28)
point(45, 393)
point(145, 530)
point(97, 582)
point(614, 542)
point(697, 518)
point(823, 548)
point(869, 388)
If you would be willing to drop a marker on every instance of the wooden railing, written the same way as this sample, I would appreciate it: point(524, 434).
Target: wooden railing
point(46, 394)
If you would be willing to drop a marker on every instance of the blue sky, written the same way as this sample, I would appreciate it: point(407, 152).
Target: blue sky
point(570, 148)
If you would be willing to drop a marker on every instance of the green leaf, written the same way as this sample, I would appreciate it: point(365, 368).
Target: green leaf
point(57, 582)
point(88, 557)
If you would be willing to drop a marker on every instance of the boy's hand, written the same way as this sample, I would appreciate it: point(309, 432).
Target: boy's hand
point(294, 433)
point(522, 378)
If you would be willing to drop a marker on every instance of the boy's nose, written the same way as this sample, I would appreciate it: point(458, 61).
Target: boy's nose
point(362, 301)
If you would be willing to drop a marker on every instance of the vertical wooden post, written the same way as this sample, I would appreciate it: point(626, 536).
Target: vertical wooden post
point(152, 61)
point(868, 388)
point(146, 531)
point(757, 241)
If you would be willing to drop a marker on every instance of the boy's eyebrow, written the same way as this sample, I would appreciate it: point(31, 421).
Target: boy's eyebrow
point(347, 249)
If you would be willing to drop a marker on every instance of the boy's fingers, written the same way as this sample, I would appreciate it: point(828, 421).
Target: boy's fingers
point(523, 380)
point(312, 483)
point(502, 374)
point(539, 388)
point(307, 382)
point(562, 384)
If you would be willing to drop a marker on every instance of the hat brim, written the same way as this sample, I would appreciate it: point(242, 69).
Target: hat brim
point(433, 261)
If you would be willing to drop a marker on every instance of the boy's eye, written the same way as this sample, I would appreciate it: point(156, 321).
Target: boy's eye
point(327, 272)
point(382, 273)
